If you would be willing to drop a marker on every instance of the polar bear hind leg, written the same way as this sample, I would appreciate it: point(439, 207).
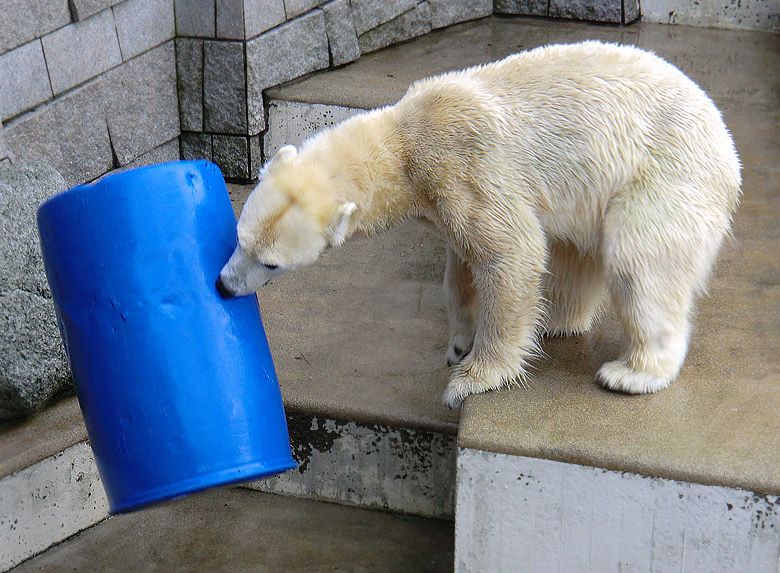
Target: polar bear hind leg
point(657, 250)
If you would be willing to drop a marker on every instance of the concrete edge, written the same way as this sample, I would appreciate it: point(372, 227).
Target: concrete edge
point(590, 519)
point(670, 468)
point(401, 470)
point(49, 502)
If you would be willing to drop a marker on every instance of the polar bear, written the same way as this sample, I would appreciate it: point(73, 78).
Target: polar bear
point(559, 177)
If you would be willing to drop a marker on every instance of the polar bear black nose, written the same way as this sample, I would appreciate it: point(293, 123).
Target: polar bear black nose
point(223, 290)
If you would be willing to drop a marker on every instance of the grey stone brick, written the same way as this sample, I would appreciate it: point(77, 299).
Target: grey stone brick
point(224, 87)
point(295, 8)
point(3, 148)
point(411, 24)
point(70, 134)
point(33, 365)
point(289, 51)
point(230, 19)
point(189, 67)
point(255, 156)
point(368, 14)
point(448, 12)
point(142, 109)
point(195, 146)
point(231, 154)
point(25, 20)
point(340, 27)
point(196, 18)
point(523, 7)
point(83, 9)
point(631, 11)
point(262, 15)
point(24, 81)
point(81, 51)
point(591, 10)
point(168, 151)
point(143, 24)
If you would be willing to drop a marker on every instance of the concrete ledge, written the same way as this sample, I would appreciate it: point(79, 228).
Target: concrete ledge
point(516, 513)
point(376, 467)
point(48, 502)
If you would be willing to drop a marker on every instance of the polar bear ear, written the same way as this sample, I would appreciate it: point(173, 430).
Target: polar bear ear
point(284, 155)
point(338, 226)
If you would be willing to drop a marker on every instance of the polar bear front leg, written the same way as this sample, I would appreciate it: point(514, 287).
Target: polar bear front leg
point(507, 266)
point(462, 307)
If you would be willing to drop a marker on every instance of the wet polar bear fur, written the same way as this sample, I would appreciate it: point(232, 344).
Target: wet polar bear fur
point(558, 176)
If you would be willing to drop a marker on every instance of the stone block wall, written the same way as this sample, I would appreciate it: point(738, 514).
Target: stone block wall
point(230, 51)
point(91, 85)
point(611, 11)
point(88, 85)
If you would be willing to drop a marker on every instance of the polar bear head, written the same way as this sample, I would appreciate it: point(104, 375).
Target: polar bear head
point(289, 219)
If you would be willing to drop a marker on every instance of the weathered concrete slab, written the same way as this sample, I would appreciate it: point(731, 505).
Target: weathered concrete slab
point(744, 14)
point(33, 365)
point(242, 530)
point(290, 123)
point(600, 521)
point(47, 503)
point(396, 469)
point(168, 151)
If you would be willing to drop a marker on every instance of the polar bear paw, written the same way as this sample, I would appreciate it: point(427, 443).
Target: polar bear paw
point(461, 385)
point(621, 377)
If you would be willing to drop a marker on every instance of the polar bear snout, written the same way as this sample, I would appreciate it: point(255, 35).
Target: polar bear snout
point(243, 275)
point(223, 290)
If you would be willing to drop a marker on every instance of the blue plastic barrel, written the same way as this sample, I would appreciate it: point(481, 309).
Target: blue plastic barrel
point(177, 385)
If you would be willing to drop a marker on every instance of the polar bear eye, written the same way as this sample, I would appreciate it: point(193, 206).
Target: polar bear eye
point(271, 267)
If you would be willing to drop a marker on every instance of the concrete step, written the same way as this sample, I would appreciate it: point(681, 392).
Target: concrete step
point(686, 479)
point(241, 530)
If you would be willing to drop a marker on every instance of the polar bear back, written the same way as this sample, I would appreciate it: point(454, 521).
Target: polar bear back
point(569, 127)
